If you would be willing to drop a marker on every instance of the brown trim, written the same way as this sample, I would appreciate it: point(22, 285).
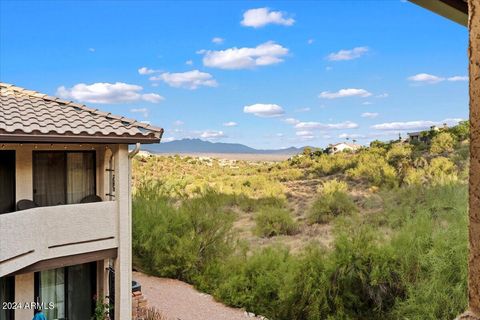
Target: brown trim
point(455, 10)
point(30, 138)
point(79, 242)
point(17, 256)
point(459, 5)
point(68, 261)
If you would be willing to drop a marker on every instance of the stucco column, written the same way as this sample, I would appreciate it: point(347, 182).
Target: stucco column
point(474, 183)
point(123, 263)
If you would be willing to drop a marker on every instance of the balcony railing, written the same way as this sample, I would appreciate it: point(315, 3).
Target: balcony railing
point(43, 233)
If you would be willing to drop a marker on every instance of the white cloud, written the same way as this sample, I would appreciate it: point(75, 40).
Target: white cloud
point(211, 134)
point(458, 78)
point(230, 124)
point(178, 123)
point(152, 97)
point(264, 110)
point(279, 134)
point(265, 54)
point(189, 62)
point(334, 126)
point(143, 111)
point(432, 79)
point(382, 95)
point(91, 49)
point(292, 121)
point(425, 78)
point(414, 125)
point(218, 40)
point(306, 109)
point(370, 115)
point(304, 133)
point(328, 68)
point(342, 93)
point(190, 79)
point(310, 41)
point(260, 17)
point(104, 92)
point(145, 70)
point(366, 103)
point(169, 139)
point(351, 136)
point(347, 54)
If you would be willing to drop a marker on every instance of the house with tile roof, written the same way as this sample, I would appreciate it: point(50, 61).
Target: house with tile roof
point(65, 206)
point(342, 146)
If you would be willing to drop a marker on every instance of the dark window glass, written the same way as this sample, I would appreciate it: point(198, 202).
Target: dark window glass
point(62, 177)
point(7, 181)
point(49, 180)
point(7, 294)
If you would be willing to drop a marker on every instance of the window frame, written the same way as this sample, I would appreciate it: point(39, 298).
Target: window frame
point(65, 152)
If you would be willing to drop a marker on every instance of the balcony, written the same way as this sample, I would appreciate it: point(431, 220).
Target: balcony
point(42, 233)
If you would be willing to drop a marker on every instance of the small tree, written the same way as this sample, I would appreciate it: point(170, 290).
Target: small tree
point(461, 130)
point(441, 143)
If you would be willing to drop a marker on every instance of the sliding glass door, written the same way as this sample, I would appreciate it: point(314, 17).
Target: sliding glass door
point(70, 289)
point(62, 177)
point(7, 181)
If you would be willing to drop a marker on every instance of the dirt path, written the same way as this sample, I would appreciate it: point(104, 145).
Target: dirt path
point(178, 300)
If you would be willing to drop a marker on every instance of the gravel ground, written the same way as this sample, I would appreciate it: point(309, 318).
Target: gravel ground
point(178, 300)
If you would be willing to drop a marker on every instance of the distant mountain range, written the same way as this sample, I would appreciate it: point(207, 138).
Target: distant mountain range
point(192, 146)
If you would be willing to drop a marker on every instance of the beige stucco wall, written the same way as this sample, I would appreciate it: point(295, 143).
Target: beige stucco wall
point(35, 230)
point(24, 291)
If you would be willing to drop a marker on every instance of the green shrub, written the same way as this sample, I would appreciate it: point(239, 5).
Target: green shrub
point(332, 186)
point(306, 287)
point(254, 282)
point(373, 168)
point(328, 206)
point(273, 221)
point(179, 242)
point(399, 153)
point(441, 171)
point(442, 143)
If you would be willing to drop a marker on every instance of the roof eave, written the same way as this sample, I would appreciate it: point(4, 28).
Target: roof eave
point(29, 138)
point(455, 10)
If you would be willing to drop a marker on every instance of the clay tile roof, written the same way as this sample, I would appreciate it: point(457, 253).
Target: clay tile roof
point(30, 116)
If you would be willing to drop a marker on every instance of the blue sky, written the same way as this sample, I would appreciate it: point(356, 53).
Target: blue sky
point(278, 74)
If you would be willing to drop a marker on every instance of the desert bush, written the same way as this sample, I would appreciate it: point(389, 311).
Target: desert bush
point(179, 242)
point(332, 186)
point(255, 281)
point(328, 206)
point(373, 168)
point(399, 153)
point(461, 131)
point(274, 221)
point(441, 171)
point(442, 143)
point(414, 176)
point(331, 164)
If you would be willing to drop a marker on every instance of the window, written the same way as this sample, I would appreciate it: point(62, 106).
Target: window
point(7, 294)
point(63, 177)
point(7, 181)
point(70, 289)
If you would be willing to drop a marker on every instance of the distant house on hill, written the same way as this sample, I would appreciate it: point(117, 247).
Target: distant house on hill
point(423, 136)
point(342, 146)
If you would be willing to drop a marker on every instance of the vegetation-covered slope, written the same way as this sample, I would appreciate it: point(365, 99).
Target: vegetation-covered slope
point(379, 234)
